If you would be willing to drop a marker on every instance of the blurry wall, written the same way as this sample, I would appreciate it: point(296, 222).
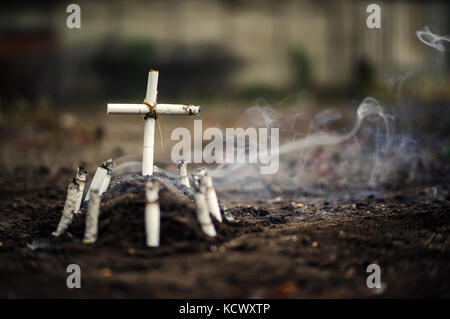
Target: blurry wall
point(208, 48)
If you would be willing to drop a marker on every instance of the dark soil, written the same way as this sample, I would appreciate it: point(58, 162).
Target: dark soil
point(279, 249)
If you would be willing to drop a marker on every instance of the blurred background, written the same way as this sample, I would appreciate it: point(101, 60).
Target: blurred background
point(224, 55)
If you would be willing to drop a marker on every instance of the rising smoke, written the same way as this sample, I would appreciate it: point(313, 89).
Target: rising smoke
point(435, 41)
point(369, 155)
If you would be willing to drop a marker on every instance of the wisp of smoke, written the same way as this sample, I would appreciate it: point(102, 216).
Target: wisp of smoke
point(368, 155)
point(435, 41)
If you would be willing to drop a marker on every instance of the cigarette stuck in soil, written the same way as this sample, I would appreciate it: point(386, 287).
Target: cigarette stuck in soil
point(152, 214)
point(182, 170)
point(203, 216)
point(69, 205)
point(211, 197)
point(90, 234)
point(99, 178)
point(105, 183)
point(81, 180)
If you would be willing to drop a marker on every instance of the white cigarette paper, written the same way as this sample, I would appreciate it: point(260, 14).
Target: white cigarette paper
point(164, 109)
point(81, 180)
point(149, 129)
point(149, 146)
point(182, 170)
point(97, 181)
point(152, 214)
point(211, 197)
point(69, 205)
point(203, 216)
point(100, 179)
point(105, 183)
point(90, 234)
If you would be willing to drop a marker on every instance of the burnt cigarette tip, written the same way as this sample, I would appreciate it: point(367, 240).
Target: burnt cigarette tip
point(81, 171)
point(109, 163)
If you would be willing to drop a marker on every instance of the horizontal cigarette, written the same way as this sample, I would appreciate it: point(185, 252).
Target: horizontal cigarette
point(177, 109)
point(127, 109)
point(174, 109)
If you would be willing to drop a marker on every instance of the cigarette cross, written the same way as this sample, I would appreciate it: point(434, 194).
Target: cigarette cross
point(151, 110)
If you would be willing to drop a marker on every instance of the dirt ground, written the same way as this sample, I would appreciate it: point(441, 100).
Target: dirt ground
point(282, 249)
point(291, 247)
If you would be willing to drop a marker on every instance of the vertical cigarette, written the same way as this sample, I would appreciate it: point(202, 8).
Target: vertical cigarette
point(90, 233)
point(152, 214)
point(203, 216)
point(69, 205)
point(211, 197)
point(182, 170)
point(97, 181)
point(81, 180)
point(198, 174)
point(196, 181)
point(105, 183)
point(99, 177)
point(149, 129)
point(149, 146)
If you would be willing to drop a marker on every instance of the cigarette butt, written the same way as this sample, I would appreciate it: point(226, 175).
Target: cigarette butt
point(182, 170)
point(90, 234)
point(97, 181)
point(203, 216)
point(152, 214)
point(69, 205)
point(81, 180)
point(211, 196)
point(105, 183)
